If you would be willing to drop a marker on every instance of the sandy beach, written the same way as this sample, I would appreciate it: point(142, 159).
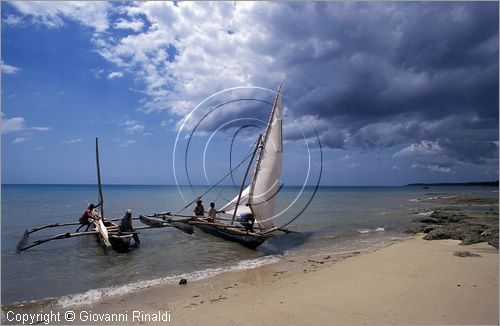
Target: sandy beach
point(410, 281)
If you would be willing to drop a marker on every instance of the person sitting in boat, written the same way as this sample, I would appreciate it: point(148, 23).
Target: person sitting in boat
point(199, 210)
point(126, 226)
point(247, 220)
point(212, 212)
point(88, 216)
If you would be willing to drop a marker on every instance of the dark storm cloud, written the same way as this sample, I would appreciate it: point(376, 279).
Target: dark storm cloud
point(376, 60)
point(386, 74)
point(373, 75)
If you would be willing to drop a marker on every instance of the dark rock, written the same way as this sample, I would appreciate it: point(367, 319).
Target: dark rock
point(441, 217)
point(423, 228)
point(437, 235)
point(428, 228)
point(466, 254)
point(468, 225)
point(183, 281)
point(431, 220)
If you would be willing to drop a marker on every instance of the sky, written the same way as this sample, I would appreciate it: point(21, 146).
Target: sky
point(382, 93)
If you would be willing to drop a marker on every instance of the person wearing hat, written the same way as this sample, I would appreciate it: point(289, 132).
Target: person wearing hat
point(126, 225)
point(199, 210)
point(88, 217)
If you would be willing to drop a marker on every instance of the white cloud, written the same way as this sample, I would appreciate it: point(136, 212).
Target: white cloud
point(436, 168)
point(8, 69)
point(165, 123)
point(12, 20)
point(72, 141)
point(39, 148)
point(127, 143)
point(133, 126)
point(115, 74)
point(135, 25)
point(18, 140)
point(424, 148)
point(13, 124)
point(49, 13)
point(216, 46)
point(17, 124)
point(97, 72)
point(40, 128)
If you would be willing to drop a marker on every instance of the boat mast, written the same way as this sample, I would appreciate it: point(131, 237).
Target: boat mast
point(101, 200)
point(257, 145)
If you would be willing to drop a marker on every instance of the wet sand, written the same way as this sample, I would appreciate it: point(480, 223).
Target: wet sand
point(412, 281)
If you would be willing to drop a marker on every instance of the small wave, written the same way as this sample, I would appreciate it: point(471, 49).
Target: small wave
point(416, 200)
point(364, 231)
point(429, 213)
point(95, 295)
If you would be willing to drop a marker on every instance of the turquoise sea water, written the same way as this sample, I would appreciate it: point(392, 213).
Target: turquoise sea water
point(75, 270)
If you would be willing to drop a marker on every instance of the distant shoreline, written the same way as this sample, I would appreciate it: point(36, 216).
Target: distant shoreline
point(460, 184)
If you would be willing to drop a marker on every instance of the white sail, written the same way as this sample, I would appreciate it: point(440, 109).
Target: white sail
point(265, 179)
point(260, 197)
point(230, 206)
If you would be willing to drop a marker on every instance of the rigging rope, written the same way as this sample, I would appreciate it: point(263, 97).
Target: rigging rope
point(215, 185)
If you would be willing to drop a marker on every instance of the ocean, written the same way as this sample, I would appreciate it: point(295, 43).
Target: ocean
point(74, 271)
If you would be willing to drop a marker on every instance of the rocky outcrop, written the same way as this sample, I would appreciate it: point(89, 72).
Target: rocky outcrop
point(468, 226)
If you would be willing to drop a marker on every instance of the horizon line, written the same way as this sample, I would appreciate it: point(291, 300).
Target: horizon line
point(286, 185)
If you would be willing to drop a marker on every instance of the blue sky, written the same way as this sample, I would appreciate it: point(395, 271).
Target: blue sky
point(398, 92)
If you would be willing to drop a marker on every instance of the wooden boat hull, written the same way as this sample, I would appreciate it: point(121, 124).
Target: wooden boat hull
point(159, 221)
point(154, 222)
point(247, 239)
point(120, 243)
point(110, 237)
